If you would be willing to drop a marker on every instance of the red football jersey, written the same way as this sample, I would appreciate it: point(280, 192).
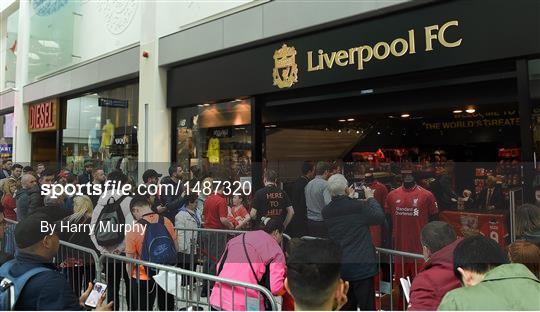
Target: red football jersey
point(496, 231)
point(410, 211)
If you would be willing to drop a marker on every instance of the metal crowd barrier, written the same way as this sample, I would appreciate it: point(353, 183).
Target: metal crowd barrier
point(8, 242)
point(79, 264)
point(179, 289)
point(393, 265)
point(200, 249)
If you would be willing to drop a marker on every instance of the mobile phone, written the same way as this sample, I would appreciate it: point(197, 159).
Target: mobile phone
point(95, 294)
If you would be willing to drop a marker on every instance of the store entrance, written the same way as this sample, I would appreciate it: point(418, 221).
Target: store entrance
point(466, 138)
point(44, 147)
point(456, 140)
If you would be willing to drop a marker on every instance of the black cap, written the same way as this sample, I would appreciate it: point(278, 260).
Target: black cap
point(28, 231)
point(150, 173)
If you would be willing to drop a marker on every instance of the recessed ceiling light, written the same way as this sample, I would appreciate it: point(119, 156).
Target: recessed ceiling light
point(357, 132)
point(350, 119)
point(342, 120)
point(339, 131)
point(470, 110)
point(206, 104)
point(200, 105)
point(405, 115)
point(391, 116)
point(379, 132)
point(457, 111)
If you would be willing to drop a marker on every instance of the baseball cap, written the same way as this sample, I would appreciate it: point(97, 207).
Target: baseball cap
point(28, 231)
point(150, 173)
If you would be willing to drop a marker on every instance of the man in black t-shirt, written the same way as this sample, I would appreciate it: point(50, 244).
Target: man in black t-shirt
point(298, 225)
point(271, 202)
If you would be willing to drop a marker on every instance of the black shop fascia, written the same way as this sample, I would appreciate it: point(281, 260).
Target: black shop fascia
point(440, 56)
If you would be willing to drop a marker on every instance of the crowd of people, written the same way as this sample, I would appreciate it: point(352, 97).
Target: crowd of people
point(334, 266)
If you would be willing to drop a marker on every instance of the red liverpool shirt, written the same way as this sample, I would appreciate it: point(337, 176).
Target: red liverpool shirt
point(496, 231)
point(410, 211)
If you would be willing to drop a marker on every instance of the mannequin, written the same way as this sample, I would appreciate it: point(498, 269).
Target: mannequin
point(408, 182)
point(93, 140)
point(107, 137)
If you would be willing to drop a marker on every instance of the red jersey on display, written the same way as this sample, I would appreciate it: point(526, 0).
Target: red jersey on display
point(410, 210)
point(381, 192)
point(496, 231)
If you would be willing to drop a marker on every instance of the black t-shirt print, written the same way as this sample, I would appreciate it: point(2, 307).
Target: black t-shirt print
point(271, 201)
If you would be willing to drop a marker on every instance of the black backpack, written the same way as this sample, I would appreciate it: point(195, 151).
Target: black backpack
point(109, 219)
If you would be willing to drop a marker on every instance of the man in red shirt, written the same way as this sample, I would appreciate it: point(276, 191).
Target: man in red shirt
point(215, 217)
point(381, 192)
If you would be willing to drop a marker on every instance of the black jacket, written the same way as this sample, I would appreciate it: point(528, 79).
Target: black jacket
point(348, 221)
point(84, 178)
point(497, 199)
point(80, 238)
point(28, 201)
point(298, 225)
point(172, 200)
point(49, 290)
point(3, 174)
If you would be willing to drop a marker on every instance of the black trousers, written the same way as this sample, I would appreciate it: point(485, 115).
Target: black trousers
point(114, 271)
point(361, 295)
point(317, 229)
point(143, 295)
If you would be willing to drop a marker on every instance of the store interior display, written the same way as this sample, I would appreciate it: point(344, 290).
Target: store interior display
point(216, 138)
point(102, 132)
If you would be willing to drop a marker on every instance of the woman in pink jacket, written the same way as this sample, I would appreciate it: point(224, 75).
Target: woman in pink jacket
point(264, 252)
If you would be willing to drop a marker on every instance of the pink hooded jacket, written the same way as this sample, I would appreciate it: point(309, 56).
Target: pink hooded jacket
point(262, 250)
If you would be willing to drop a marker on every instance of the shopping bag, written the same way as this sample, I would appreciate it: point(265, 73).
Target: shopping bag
point(170, 282)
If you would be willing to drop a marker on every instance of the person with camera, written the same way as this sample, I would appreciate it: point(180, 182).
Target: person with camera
point(347, 221)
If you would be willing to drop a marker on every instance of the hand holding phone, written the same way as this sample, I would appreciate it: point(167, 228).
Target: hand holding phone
point(95, 295)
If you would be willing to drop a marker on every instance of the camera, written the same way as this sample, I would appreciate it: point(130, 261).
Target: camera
point(359, 190)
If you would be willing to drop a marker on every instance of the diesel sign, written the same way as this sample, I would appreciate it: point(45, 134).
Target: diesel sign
point(43, 116)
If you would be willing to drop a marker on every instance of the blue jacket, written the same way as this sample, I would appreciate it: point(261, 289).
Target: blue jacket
point(47, 290)
point(348, 221)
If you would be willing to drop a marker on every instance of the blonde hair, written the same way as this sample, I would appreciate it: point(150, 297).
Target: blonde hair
point(82, 207)
point(526, 253)
point(6, 188)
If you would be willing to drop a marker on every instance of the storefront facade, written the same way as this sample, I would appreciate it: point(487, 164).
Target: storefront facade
point(98, 126)
point(423, 82)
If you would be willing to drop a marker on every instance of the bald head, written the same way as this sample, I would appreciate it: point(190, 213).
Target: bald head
point(28, 181)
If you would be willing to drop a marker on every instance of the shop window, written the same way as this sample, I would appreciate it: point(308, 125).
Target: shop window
point(6, 136)
point(216, 138)
point(102, 128)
